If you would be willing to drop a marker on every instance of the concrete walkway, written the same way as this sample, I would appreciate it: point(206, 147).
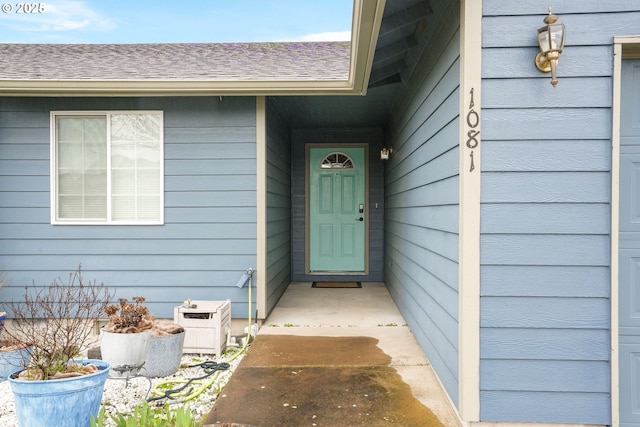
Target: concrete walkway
point(362, 312)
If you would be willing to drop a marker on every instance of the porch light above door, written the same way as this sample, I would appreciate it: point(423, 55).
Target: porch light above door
point(385, 153)
point(551, 40)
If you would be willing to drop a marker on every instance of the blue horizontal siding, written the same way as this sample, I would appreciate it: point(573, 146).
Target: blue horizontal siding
point(126, 247)
point(26, 268)
point(172, 232)
point(24, 167)
point(211, 182)
point(24, 215)
point(429, 239)
point(518, 156)
point(551, 124)
point(22, 145)
point(438, 217)
point(17, 183)
point(550, 187)
point(436, 312)
point(546, 192)
point(544, 344)
point(417, 195)
point(422, 200)
point(523, 92)
point(548, 375)
point(210, 199)
point(516, 64)
point(539, 7)
point(218, 166)
point(516, 406)
point(509, 31)
point(541, 249)
point(34, 199)
point(550, 218)
point(545, 312)
point(209, 235)
point(278, 206)
point(545, 281)
point(208, 139)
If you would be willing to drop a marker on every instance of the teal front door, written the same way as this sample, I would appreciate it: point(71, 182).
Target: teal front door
point(337, 210)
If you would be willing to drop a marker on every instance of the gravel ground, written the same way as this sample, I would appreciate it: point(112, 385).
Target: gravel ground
point(122, 395)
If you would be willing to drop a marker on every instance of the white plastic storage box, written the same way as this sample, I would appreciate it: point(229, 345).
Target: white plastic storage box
point(206, 324)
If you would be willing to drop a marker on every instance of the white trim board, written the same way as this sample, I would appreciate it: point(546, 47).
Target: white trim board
point(469, 216)
point(626, 47)
point(261, 206)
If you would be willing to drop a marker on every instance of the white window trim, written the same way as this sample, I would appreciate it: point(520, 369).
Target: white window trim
point(54, 168)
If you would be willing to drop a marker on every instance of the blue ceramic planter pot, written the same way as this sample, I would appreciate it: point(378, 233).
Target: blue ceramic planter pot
point(12, 361)
point(66, 402)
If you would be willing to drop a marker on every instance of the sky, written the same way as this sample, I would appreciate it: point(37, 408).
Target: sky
point(174, 21)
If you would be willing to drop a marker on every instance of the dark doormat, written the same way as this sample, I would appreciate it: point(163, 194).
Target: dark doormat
point(288, 380)
point(336, 285)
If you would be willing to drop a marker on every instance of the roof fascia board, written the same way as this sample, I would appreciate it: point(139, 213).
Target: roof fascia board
point(366, 20)
point(169, 88)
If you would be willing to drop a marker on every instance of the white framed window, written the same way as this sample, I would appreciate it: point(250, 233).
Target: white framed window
point(107, 167)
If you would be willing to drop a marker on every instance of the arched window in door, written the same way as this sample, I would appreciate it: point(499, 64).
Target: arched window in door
point(337, 160)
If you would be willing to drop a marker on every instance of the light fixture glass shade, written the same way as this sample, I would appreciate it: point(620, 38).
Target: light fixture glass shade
point(551, 38)
point(543, 39)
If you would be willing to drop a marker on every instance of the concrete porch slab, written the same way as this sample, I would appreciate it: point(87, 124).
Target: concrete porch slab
point(364, 323)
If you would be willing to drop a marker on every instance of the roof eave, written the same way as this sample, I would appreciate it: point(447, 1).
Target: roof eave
point(365, 27)
point(170, 88)
point(367, 16)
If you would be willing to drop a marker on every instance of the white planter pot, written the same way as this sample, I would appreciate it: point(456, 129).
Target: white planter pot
point(125, 352)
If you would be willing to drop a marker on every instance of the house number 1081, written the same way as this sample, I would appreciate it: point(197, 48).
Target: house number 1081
point(473, 121)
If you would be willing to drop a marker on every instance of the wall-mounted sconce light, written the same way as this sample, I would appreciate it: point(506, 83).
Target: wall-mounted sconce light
point(385, 153)
point(551, 41)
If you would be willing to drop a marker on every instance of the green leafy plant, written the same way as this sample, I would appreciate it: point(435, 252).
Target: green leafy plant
point(145, 415)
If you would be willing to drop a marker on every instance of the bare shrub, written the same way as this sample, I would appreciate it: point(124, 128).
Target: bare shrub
point(57, 321)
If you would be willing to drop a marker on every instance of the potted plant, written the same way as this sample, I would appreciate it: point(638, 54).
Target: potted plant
point(3, 314)
point(13, 354)
point(58, 321)
point(165, 349)
point(125, 338)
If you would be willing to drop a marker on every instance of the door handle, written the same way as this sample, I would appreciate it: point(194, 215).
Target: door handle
point(360, 219)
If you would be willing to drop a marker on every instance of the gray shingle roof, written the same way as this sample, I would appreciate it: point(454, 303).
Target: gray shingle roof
point(304, 61)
